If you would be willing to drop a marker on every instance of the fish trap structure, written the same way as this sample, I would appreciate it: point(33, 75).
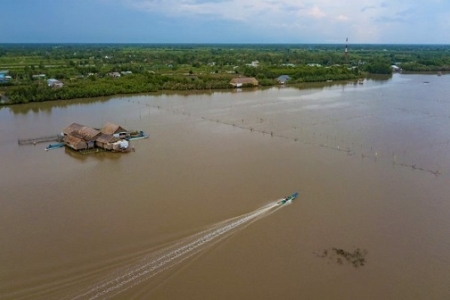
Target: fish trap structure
point(42, 139)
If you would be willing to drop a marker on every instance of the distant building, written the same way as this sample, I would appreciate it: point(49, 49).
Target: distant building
point(3, 77)
point(114, 74)
point(54, 83)
point(396, 68)
point(283, 79)
point(39, 76)
point(254, 64)
point(241, 81)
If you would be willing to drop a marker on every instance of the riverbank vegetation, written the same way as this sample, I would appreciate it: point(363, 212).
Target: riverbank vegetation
point(91, 70)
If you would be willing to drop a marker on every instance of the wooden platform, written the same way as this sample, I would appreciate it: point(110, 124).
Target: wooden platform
point(42, 139)
point(93, 150)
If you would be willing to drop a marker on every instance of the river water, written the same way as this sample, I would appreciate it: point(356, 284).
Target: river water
point(192, 213)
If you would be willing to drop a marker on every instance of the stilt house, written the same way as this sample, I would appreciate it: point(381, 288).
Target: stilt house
point(80, 137)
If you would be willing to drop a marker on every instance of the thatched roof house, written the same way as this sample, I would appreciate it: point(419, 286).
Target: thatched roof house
point(79, 137)
point(75, 142)
point(106, 141)
point(81, 131)
point(240, 81)
point(72, 128)
point(111, 128)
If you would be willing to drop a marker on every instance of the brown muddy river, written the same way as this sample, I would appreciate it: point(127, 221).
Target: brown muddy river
point(192, 215)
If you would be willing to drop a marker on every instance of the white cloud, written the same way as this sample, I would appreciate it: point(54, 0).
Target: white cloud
point(227, 10)
point(342, 18)
point(363, 21)
point(315, 12)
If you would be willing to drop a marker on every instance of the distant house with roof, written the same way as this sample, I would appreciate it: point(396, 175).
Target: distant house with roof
point(52, 82)
point(114, 74)
point(38, 76)
point(283, 79)
point(396, 68)
point(254, 64)
point(243, 81)
point(3, 77)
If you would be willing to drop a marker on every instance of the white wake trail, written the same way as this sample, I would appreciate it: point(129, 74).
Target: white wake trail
point(164, 259)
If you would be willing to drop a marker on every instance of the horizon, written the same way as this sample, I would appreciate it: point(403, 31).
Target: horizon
point(218, 43)
point(225, 22)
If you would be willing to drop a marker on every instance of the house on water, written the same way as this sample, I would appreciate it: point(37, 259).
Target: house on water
point(80, 137)
point(110, 128)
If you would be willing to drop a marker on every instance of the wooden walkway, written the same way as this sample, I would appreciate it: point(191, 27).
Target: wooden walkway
point(42, 139)
point(93, 150)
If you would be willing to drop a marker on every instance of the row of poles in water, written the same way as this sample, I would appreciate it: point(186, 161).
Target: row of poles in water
point(308, 138)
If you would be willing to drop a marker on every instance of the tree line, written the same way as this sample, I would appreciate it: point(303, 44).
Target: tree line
point(85, 68)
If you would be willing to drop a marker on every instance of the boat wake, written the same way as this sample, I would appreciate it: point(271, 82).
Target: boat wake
point(162, 260)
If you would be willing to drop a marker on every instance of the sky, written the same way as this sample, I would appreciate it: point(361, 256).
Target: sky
point(225, 21)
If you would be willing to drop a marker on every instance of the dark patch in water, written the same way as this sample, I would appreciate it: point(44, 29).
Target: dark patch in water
point(356, 258)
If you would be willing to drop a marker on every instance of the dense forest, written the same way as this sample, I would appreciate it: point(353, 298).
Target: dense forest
point(90, 70)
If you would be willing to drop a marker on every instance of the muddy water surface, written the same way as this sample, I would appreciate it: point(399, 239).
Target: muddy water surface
point(190, 214)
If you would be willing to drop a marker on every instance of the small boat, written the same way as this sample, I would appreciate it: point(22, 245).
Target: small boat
point(138, 135)
point(54, 146)
point(288, 199)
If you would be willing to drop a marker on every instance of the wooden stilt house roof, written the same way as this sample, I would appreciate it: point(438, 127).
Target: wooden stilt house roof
point(81, 131)
point(111, 128)
point(106, 138)
point(74, 142)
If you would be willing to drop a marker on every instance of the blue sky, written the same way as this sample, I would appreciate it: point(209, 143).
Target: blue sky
point(225, 21)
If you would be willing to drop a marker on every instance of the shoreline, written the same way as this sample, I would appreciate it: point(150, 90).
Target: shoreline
point(198, 91)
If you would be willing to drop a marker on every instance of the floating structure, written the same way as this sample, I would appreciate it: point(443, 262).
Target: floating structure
point(110, 137)
point(79, 137)
point(84, 139)
point(42, 139)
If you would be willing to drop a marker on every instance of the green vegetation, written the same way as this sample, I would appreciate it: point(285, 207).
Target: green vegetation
point(86, 70)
